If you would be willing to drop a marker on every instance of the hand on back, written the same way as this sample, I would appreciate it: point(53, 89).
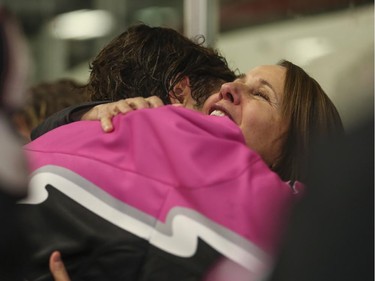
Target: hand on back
point(105, 112)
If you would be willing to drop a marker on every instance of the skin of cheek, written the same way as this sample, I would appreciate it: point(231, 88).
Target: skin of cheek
point(263, 130)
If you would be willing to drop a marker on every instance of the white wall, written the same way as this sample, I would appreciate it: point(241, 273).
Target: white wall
point(337, 49)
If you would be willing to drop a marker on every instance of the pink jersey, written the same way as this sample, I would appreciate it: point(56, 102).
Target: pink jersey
point(172, 177)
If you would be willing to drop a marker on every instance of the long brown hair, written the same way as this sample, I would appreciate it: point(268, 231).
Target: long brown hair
point(312, 118)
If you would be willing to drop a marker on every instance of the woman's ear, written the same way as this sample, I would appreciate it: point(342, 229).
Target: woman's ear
point(181, 92)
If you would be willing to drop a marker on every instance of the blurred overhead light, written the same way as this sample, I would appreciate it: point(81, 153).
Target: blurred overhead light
point(82, 24)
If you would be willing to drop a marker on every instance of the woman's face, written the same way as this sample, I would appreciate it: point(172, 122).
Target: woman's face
point(254, 102)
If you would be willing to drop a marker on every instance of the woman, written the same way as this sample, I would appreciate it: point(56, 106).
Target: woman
point(273, 107)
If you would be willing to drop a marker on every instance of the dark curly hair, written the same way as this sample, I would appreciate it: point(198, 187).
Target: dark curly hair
point(146, 61)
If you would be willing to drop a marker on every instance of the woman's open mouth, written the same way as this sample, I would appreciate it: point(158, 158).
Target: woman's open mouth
point(219, 111)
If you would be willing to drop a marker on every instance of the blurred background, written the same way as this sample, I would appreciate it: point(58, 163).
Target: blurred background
point(333, 40)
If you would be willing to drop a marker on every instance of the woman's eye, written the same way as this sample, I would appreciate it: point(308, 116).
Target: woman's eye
point(262, 95)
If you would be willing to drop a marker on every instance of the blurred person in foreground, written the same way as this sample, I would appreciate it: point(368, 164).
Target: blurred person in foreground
point(331, 233)
point(14, 67)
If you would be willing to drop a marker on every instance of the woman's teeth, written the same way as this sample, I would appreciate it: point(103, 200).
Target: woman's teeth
point(217, 113)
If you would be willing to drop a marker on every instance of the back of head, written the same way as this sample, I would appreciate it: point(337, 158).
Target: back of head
point(44, 99)
point(312, 118)
point(146, 61)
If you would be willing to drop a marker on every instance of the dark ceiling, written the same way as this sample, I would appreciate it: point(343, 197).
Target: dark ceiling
point(233, 13)
point(241, 13)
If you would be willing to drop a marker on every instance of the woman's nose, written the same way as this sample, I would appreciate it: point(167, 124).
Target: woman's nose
point(231, 92)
